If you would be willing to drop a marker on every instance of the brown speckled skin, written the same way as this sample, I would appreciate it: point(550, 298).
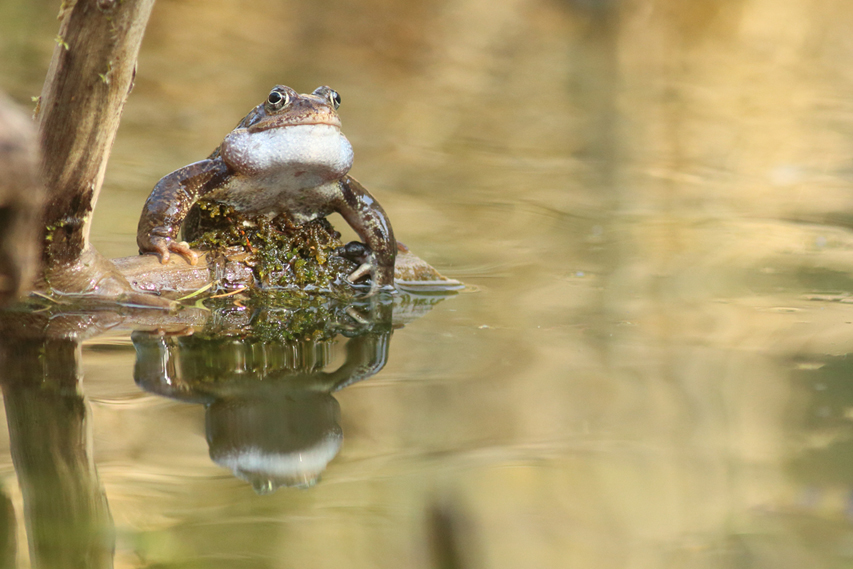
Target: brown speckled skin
point(213, 178)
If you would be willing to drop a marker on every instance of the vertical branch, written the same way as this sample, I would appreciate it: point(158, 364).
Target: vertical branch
point(88, 81)
point(90, 76)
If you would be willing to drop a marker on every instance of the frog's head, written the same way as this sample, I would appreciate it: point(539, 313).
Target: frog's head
point(285, 107)
point(293, 139)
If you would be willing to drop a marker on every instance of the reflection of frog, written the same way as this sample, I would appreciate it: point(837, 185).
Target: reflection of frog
point(287, 156)
point(271, 417)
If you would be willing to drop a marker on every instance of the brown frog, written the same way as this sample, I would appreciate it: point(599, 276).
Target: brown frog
point(287, 156)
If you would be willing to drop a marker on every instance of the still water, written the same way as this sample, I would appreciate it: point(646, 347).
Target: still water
point(651, 202)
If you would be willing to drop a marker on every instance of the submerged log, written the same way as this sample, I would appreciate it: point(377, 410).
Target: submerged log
point(176, 277)
point(242, 251)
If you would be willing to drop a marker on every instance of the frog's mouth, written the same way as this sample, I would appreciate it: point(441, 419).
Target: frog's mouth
point(287, 122)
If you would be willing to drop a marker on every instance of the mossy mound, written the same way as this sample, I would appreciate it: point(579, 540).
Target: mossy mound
point(280, 254)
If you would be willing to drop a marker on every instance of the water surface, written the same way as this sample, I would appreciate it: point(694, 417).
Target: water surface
point(651, 203)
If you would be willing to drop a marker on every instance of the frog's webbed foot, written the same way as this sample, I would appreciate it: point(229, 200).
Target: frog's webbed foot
point(164, 246)
point(382, 277)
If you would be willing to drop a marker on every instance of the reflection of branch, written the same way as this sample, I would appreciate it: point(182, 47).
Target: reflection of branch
point(68, 519)
point(8, 543)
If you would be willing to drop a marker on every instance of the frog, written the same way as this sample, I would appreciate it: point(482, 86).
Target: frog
point(287, 156)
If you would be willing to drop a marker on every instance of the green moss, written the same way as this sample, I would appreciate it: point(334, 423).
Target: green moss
point(282, 255)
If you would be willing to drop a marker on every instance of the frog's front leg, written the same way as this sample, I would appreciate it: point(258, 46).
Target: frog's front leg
point(364, 214)
point(167, 206)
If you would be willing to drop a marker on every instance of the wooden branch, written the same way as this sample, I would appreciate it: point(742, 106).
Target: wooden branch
point(88, 81)
point(90, 76)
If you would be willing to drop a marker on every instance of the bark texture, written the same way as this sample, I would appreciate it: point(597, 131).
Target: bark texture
point(90, 76)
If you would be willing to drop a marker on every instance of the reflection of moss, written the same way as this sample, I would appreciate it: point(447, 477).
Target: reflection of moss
point(264, 319)
point(287, 317)
point(280, 254)
point(308, 323)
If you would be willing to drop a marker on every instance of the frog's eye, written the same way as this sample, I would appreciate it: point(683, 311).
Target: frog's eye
point(330, 94)
point(335, 99)
point(277, 100)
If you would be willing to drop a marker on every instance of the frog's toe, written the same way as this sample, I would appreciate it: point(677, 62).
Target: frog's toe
point(361, 272)
point(183, 249)
point(157, 245)
point(380, 279)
